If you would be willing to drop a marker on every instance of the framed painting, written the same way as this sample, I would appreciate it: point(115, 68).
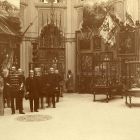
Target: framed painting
point(83, 42)
point(126, 43)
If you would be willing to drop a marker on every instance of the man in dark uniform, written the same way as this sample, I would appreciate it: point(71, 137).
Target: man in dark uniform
point(58, 79)
point(15, 85)
point(32, 90)
point(51, 88)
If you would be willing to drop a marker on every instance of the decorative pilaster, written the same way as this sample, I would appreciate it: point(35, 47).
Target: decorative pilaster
point(30, 15)
point(139, 9)
point(71, 22)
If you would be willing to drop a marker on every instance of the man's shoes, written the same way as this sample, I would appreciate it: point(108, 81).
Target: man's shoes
point(31, 110)
point(36, 111)
point(48, 106)
point(54, 106)
point(21, 112)
point(13, 113)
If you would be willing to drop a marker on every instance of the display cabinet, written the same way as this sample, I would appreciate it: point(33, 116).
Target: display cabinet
point(107, 79)
point(132, 81)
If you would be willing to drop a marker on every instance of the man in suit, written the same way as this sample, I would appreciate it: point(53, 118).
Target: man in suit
point(58, 79)
point(45, 86)
point(22, 89)
point(51, 87)
point(38, 77)
point(32, 91)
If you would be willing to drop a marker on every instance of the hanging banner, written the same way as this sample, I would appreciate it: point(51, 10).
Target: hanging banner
point(108, 30)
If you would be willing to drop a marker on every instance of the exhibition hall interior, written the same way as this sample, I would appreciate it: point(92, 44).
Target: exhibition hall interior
point(69, 69)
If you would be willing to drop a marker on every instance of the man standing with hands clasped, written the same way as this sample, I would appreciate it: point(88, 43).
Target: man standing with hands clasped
point(31, 89)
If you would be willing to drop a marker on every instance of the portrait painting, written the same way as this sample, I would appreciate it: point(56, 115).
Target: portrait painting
point(126, 44)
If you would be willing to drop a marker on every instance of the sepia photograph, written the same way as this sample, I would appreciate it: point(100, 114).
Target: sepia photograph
point(69, 69)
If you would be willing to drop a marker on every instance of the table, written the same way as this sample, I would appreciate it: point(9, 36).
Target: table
point(133, 92)
point(101, 90)
point(117, 90)
point(109, 91)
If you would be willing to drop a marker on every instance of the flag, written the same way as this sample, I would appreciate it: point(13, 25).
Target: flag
point(8, 62)
point(129, 20)
point(42, 20)
point(56, 20)
point(112, 41)
point(60, 26)
point(47, 20)
point(108, 30)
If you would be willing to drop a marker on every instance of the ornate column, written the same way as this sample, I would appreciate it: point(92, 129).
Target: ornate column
point(139, 9)
point(24, 24)
point(71, 25)
point(28, 15)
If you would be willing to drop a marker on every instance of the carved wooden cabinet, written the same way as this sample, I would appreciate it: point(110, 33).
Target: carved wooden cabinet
point(50, 49)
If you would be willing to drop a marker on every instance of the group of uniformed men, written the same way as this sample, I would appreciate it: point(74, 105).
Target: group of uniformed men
point(35, 87)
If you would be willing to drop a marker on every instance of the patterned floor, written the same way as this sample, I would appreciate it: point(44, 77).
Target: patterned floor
point(33, 118)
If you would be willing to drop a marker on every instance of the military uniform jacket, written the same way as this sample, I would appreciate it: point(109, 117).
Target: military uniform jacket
point(14, 81)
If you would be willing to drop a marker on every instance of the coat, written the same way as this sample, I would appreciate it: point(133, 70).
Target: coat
point(31, 85)
point(51, 82)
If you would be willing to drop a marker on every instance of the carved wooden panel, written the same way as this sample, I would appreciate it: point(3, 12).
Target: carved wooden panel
point(54, 58)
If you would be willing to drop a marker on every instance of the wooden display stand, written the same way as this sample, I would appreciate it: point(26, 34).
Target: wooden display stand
point(107, 80)
point(132, 81)
point(133, 92)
